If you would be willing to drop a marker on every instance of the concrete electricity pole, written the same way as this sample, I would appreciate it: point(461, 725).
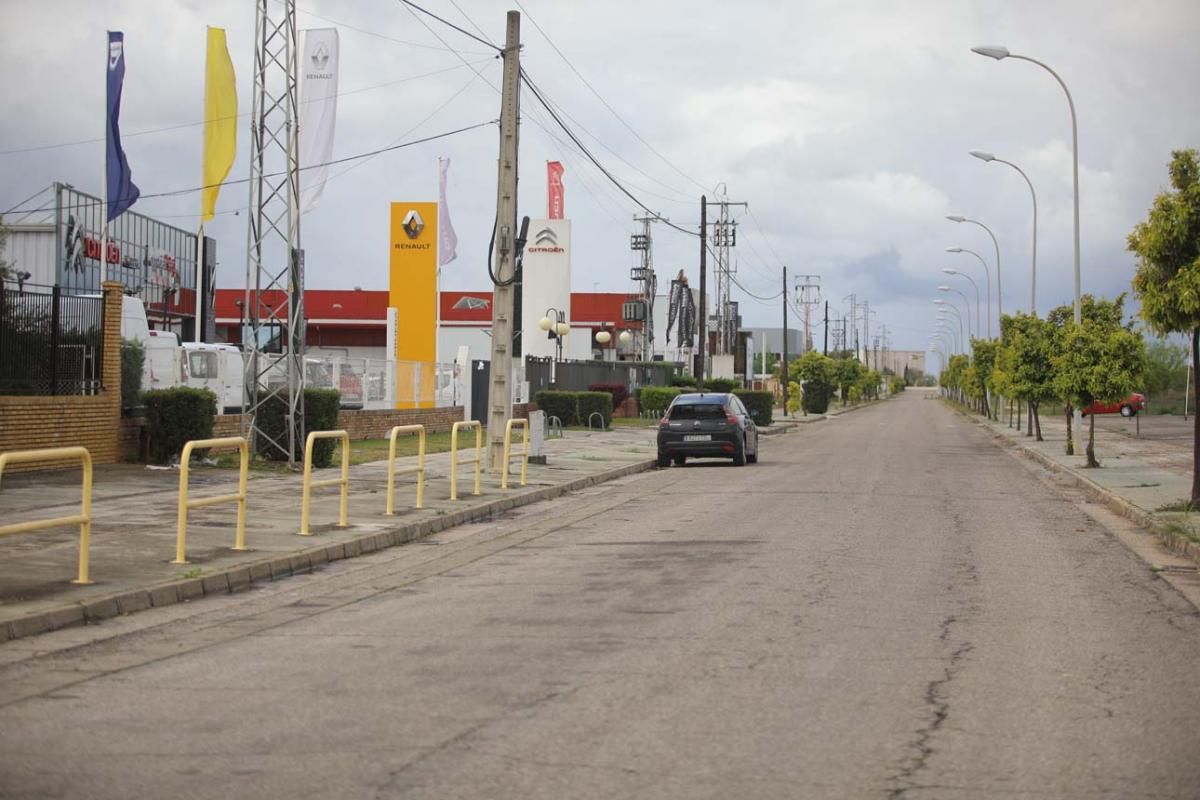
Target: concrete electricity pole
point(784, 373)
point(702, 353)
point(500, 393)
point(643, 243)
point(808, 294)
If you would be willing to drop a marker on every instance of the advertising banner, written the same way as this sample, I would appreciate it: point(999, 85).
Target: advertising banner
point(318, 110)
point(448, 241)
point(546, 285)
point(122, 192)
point(554, 189)
point(412, 291)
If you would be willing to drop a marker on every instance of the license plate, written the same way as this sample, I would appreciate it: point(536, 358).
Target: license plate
point(698, 437)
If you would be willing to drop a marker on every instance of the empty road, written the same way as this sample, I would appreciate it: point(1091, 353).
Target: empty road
point(887, 605)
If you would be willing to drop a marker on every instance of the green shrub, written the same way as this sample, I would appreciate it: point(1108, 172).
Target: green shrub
point(564, 405)
point(856, 393)
point(655, 399)
point(794, 393)
point(619, 392)
point(759, 404)
point(133, 359)
point(816, 396)
point(897, 385)
point(720, 385)
point(320, 414)
point(590, 403)
point(683, 380)
point(175, 417)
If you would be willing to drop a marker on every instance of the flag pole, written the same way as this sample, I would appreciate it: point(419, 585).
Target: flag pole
point(104, 173)
point(200, 304)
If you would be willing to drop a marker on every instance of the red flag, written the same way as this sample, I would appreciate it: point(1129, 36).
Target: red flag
point(554, 189)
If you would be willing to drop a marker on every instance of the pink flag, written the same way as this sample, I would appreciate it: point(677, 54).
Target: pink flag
point(447, 238)
point(554, 187)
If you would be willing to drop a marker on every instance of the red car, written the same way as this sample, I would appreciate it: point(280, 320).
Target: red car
point(1128, 407)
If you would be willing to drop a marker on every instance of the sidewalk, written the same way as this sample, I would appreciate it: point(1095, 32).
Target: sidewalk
point(134, 522)
point(1143, 478)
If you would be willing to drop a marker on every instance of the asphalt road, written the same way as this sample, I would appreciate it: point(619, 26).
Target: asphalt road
point(886, 606)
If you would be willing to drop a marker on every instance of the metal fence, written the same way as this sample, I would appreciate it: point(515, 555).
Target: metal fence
point(51, 343)
point(577, 376)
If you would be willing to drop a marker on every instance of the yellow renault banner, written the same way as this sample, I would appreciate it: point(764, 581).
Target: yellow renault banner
point(413, 293)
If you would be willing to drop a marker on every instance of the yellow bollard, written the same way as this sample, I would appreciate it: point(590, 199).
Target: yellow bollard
point(478, 462)
point(310, 484)
point(185, 504)
point(508, 455)
point(83, 518)
point(418, 470)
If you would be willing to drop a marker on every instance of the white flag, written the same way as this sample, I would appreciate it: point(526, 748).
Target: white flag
point(318, 109)
point(447, 238)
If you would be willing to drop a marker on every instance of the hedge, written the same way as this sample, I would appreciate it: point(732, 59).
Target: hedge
point(759, 404)
point(816, 396)
point(683, 380)
point(619, 391)
point(133, 359)
point(175, 417)
point(563, 405)
point(897, 385)
point(655, 399)
point(320, 414)
point(720, 384)
point(594, 403)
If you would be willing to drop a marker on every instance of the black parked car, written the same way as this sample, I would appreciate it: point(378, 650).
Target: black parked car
point(707, 425)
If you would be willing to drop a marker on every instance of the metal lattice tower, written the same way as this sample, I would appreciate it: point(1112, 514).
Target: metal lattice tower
point(644, 274)
point(808, 294)
point(724, 238)
point(274, 301)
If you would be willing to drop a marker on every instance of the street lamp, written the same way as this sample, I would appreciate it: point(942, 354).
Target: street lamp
point(987, 274)
point(984, 156)
point(999, 53)
point(950, 307)
point(554, 323)
point(966, 304)
point(625, 337)
point(975, 286)
point(996, 244)
point(943, 328)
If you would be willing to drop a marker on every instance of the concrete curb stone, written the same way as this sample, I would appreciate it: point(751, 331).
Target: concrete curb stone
point(241, 577)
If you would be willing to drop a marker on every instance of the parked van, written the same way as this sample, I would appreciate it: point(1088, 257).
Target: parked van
point(218, 368)
point(163, 366)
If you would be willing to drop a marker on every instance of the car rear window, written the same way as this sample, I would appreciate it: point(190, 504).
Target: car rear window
point(698, 411)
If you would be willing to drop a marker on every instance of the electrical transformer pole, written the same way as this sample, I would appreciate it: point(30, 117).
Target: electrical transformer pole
point(698, 369)
point(644, 274)
point(500, 393)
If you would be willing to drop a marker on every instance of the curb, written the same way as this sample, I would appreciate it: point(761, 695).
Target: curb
point(1178, 545)
point(240, 578)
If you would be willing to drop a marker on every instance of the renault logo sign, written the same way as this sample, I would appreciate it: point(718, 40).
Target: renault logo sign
point(413, 224)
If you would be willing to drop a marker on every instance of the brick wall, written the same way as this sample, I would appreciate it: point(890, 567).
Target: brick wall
point(28, 423)
point(377, 424)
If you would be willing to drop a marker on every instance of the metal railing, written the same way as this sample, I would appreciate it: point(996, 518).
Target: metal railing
point(310, 484)
point(478, 460)
point(83, 518)
point(554, 428)
point(418, 470)
point(185, 504)
point(51, 342)
point(523, 424)
point(592, 416)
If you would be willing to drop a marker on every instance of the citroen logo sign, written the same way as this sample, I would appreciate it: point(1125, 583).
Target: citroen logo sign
point(413, 224)
point(546, 236)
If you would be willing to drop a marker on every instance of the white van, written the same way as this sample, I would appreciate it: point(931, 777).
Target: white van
point(218, 368)
point(163, 367)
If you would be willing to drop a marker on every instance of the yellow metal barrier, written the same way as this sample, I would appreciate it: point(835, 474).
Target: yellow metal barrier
point(310, 484)
point(185, 504)
point(478, 462)
point(418, 470)
point(508, 454)
point(83, 518)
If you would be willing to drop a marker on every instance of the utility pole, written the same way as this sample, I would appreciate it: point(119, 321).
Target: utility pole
point(783, 372)
point(698, 367)
point(725, 238)
point(808, 294)
point(825, 350)
point(500, 393)
point(866, 341)
point(642, 242)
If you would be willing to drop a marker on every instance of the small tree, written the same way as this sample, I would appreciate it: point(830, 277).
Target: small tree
point(816, 372)
point(1166, 367)
point(1167, 282)
point(1100, 362)
point(6, 268)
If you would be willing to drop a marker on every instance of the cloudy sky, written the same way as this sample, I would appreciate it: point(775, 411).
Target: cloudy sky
point(844, 124)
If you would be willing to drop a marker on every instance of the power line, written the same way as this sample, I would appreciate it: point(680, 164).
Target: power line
point(602, 100)
point(182, 125)
point(450, 24)
point(368, 154)
point(376, 34)
point(571, 134)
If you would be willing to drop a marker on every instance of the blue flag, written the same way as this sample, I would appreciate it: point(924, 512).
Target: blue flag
point(122, 193)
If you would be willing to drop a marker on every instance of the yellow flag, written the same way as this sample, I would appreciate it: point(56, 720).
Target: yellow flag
point(220, 120)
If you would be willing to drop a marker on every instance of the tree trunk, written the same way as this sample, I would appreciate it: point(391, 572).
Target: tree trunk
point(1091, 445)
point(1029, 418)
point(1070, 436)
point(1037, 421)
point(1195, 502)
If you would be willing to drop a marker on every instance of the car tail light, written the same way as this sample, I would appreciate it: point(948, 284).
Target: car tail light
point(731, 419)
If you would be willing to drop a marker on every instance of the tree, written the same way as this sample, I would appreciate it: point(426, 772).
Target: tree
point(846, 372)
point(6, 268)
point(1100, 361)
point(1029, 366)
point(1167, 282)
point(816, 373)
point(1166, 367)
point(983, 358)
